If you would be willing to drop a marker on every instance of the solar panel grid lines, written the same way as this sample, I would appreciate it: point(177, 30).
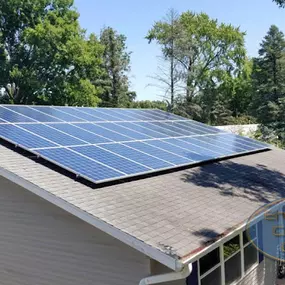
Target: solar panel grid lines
point(127, 165)
point(116, 143)
point(42, 125)
point(126, 131)
point(228, 141)
point(62, 116)
point(121, 115)
point(191, 129)
point(83, 167)
point(238, 141)
point(145, 130)
point(81, 133)
point(105, 117)
point(31, 114)
point(146, 159)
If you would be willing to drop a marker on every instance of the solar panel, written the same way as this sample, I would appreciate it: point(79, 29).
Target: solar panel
point(104, 144)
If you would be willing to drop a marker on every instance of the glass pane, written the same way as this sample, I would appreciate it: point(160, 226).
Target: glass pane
point(231, 247)
point(214, 278)
point(209, 261)
point(233, 269)
point(250, 256)
point(249, 234)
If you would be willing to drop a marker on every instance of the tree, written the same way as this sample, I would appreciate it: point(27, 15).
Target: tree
point(281, 3)
point(147, 104)
point(44, 55)
point(166, 34)
point(269, 83)
point(116, 62)
point(208, 57)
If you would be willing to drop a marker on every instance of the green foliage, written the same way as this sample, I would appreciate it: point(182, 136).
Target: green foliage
point(281, 3)
point(210, 63)
point(147, 104)
point(45, 55)
point(116, 63)
point(269, 86)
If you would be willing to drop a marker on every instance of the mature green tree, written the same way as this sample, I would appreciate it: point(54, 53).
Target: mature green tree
point(269, 83)
point(209, 51)
point(209, 60)
point(116, 62)
point(44, 56)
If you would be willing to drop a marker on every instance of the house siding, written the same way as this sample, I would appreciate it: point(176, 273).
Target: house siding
point(42, 244)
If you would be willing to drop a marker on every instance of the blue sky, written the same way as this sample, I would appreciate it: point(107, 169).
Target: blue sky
point(134, 18)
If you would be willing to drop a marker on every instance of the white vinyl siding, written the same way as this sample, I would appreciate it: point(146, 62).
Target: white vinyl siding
point(42, 244)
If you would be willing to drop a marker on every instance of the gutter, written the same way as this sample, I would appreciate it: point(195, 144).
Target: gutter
point(172, 276)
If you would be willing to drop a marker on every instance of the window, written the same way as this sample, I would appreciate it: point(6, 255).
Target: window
point(228, 263)
point(210, 268)
point(232, 256)
point(209, 261)
point(213, 278)
point(250, 251)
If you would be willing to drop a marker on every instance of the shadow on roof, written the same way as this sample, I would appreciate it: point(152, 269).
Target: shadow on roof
point(255, 183)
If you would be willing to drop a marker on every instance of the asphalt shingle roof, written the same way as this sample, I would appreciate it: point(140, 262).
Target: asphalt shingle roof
point(176, 213)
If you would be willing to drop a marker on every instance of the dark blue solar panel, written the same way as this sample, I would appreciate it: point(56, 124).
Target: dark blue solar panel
point(13, 117)
point(101, 114)
point(96, 129)
point(80, 165)
point(137, 116)
point(124, 142)
point(180, 151)
point(31, 113)
point(170, 126)
point(159, 153)
point(149, 115)
point(21, 137)
point(161, 130)
point(199, 127)
point(58, 114)
point(136, 135)
point(113, 160)
point(199, 141)
point(143, 130)
point(135, 155)
point(193, 147)
point(231, 140)
point(113, 115)
point(214, 140)
point(164, 115)
point(191, 128)
point(79, 114)
point(248, 141)
point(52, 134)
point(82, 134)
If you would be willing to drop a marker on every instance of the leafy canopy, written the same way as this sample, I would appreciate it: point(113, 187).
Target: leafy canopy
point(269, 84)
point(44, 55)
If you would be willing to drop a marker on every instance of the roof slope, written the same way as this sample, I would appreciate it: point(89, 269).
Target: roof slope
point(175, 213)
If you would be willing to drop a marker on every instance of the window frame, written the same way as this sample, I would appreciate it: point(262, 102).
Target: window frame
point(222, 262)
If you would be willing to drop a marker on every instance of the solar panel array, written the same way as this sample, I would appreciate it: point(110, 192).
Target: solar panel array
point(102, 144)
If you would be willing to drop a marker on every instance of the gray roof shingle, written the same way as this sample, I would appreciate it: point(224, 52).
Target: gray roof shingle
point(176, 212)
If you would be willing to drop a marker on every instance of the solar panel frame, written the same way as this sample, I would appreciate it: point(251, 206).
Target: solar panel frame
point(164, 138)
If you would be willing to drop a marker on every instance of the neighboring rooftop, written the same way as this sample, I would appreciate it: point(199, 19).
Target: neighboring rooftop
point(175, 213)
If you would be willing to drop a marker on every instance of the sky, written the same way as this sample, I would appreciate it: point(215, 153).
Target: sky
point(134, 18)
